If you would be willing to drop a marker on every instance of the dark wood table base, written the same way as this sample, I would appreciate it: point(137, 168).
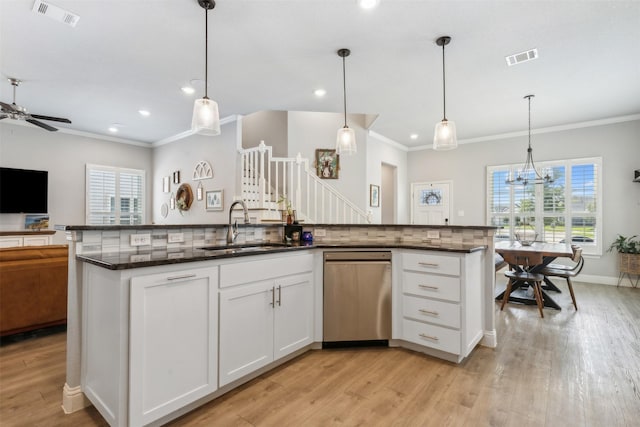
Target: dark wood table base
point(522, 294)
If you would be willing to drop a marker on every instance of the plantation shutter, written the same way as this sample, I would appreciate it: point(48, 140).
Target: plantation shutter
point(101, 208)
point(114, 196)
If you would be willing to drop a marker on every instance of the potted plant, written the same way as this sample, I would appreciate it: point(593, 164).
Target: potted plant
point(628, 254)
point(288, 213)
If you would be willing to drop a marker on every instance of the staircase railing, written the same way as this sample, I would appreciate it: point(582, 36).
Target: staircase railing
point(267, 180)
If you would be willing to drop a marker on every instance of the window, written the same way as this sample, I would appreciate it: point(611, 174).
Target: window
point(566, 210)
point(114, 196)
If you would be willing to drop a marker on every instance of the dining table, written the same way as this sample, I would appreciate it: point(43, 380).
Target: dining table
point(549, 251)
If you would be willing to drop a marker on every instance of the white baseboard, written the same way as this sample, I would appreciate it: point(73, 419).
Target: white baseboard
point(604, 280)
point(73, 399)
point(490, 339)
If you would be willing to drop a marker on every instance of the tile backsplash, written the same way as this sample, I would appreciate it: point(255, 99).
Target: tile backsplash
point(114, 241)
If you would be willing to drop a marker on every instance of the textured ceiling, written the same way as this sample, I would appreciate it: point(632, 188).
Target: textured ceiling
point(272, 54)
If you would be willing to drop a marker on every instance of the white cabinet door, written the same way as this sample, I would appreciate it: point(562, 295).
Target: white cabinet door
point(36, 240)
point(293, 322)
point(246, 329)
point(10, 241)
point(173, 341)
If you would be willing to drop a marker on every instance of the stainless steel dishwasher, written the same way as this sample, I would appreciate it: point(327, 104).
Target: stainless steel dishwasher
point(357, 298)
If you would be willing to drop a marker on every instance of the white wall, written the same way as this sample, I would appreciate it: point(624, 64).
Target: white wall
point(267, 126)
point(65, 157)
point(183, 155)
point(380, 151)
point(310, 131)
point(617, 144)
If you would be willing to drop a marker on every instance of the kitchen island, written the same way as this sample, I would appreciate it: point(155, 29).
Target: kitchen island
point(135, 286)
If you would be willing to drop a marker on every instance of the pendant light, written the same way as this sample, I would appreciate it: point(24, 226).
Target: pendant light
point(528, 173)
point(206, 119)
point(444, 137)
point(346, 140)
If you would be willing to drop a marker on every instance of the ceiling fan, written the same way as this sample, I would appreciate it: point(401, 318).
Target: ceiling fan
point(16, 112)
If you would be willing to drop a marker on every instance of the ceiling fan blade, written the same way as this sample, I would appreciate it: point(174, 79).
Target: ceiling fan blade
point(42, 125)
point(8, 107)
point(54, 119)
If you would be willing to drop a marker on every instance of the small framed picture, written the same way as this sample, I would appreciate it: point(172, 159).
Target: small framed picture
point(374, 196)
point(176, 177)
point(165, 184)
point(214, 200)
point(327, 163)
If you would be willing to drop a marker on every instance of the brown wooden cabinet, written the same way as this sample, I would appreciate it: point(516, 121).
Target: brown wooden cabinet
point(33, 287)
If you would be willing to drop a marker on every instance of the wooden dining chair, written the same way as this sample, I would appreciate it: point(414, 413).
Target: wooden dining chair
point(520, 266)
point(567, 272)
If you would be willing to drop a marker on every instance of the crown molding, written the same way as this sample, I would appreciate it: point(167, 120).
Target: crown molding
point(550, 129)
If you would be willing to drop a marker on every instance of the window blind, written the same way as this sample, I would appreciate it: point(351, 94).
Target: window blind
point(566, 210)
point(114, 196)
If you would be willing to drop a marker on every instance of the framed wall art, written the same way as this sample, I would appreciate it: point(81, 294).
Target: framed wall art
point(214, 200)
point(165, 184)
point(327, 163)
point(374, 196)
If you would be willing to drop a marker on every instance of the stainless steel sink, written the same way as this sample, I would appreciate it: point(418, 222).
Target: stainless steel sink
point(224, 250)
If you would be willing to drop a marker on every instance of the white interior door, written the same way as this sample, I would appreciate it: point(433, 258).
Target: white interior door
point(431, 203)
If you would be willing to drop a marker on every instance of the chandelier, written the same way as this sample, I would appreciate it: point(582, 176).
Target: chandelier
point(528, 174)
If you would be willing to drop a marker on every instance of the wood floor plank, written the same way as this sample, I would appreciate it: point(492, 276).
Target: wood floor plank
point(572, 368)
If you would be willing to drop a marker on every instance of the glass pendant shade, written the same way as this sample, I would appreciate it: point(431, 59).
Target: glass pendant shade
point(346, 141)
point(444, 137)
point(206, 119)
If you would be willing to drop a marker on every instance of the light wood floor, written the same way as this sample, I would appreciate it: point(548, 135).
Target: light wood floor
point(569, 369)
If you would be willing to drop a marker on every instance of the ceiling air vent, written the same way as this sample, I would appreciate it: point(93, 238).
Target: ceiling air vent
point(54, 12)
point(519, 58)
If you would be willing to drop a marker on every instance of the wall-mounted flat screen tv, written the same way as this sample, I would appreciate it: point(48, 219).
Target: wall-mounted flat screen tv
point(23, 191)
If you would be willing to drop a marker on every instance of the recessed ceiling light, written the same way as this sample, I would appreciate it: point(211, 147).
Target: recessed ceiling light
point(144, 113)
point(319, 93)
point(113, 129)
point(413, 136)
point(368, 4)
point(188, 90)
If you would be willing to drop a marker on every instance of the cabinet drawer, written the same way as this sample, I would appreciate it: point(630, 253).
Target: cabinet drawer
point(263, 268)
point(428, 310)
point(431, 263)
point(431, 286)
point(431, 336)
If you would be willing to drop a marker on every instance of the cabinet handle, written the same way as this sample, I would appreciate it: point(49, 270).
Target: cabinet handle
point(435, 288)
point(184, 276)
point(273, 297)
point(279, 295)
point(432, 313)
point(429, 337)
point(429, 264)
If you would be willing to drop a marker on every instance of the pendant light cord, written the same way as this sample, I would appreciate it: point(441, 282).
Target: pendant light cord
point(444, 89)
point(206, 52)
point(529, 98)
point(344, 90)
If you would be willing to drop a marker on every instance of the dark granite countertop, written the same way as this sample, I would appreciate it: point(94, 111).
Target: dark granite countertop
point(26, 232)
point(128, 260)
point(60, 227)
